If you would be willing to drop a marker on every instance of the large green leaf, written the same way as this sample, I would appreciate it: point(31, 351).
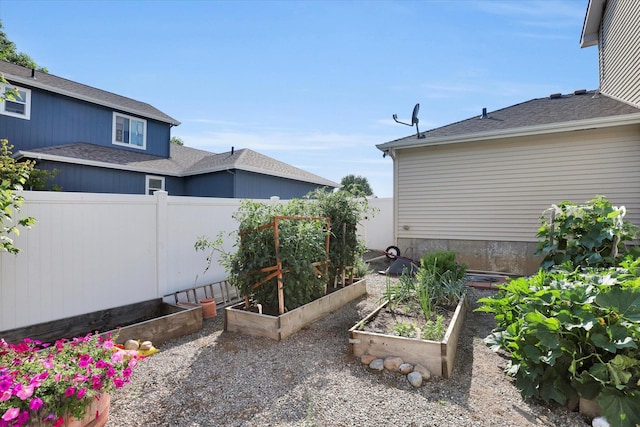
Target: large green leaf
point(625, 301)
point(620, 409)
point(602, 341)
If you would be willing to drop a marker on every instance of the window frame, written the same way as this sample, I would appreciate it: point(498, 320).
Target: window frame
point(26, 102)
point(147, 180)
point(129, 144)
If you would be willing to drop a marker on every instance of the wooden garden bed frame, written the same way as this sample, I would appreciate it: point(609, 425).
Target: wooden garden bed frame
point(280, 327)
point(437, 356)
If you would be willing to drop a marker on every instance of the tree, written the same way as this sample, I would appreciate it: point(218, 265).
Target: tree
point(356, 185)
point(8, 53)
point(177, 140)
point(13, 176)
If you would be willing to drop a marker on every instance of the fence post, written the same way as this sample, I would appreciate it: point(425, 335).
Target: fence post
point(162, 248)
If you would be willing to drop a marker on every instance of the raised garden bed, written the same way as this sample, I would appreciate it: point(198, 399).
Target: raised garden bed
point(152, 320)
point(238, 319)
point(437, 356)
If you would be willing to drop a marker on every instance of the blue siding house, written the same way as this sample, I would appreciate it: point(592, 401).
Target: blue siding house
point(106, 143)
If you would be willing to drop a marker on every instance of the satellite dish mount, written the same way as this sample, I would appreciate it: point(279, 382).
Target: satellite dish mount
point(414, 120)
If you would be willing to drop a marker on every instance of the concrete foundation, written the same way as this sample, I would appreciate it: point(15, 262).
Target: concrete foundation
point(516, 258)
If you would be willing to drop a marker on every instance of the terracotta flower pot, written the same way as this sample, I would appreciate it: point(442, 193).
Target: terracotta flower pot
point(208, 308)
point(96, 416)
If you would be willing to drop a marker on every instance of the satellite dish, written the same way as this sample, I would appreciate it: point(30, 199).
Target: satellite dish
point(414, 116)
point(414, 120)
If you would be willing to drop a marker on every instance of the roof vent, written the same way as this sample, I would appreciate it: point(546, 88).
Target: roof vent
point(484, 113)
point(33, 73)
point(555, 96)
point(579, 92)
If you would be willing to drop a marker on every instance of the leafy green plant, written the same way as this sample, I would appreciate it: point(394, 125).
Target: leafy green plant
point(588, 235)
point(405, 329)
point(440, 262)
point(13, 176)
point(434, 330)
point(345, 210)
point(572, 333)
point(300, 246)
point(433, 286)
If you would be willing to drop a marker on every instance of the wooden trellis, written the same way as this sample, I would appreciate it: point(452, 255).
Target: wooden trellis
point(276, 270)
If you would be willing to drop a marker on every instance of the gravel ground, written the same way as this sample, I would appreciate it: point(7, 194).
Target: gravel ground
point(213, 378)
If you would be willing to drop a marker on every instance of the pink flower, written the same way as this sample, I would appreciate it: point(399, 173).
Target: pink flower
point(101, 364)
point(25, 392)
point(108, 345)
point(118, 382)
point(10, 414)
point(117, 357)
point(133, 363)
point(22, 418)
point(58, 422)
point(5, 395)
point(85, 360)
point(110, 372)
point(126, 372)
point(81, 393)
point(70, 391)
point(35, 404)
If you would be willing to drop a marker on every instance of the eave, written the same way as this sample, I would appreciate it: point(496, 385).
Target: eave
point(591, 26)
point(35, 83)
point(577, 125)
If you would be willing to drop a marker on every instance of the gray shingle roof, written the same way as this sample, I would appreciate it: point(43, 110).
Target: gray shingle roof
point(24, 76)
point(184, 161)
point(560, 109)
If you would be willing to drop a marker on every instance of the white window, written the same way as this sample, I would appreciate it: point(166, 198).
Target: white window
point(129, 131)
point(17, 102)
point(154, 183)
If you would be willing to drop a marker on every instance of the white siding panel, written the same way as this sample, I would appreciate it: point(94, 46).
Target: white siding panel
point(619, 51)
point(497, 190)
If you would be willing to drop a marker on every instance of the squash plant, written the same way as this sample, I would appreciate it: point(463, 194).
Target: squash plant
point(592, 234)
point(572, 330)
point(573, 333)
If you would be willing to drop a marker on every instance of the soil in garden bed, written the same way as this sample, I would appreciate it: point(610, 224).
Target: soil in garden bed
point(406, 322)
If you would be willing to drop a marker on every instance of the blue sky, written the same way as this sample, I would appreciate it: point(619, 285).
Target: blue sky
point(311, 83)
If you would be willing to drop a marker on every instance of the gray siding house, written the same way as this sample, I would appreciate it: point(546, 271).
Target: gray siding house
point(106, 143)
point(479, 186)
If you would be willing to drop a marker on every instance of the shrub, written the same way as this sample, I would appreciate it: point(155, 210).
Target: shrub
point(13, 176)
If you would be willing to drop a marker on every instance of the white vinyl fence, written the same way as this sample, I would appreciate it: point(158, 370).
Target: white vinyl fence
point(90, 252)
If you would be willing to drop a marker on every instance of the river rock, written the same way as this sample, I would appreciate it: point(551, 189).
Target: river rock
point(366, 359)
point(377, 365)
point(131, 345)
point(426, 374)
point(405, 368)
point(392, 363)
point(600, 422)
point(415, 379)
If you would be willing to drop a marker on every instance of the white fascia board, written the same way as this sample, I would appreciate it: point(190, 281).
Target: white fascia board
point(591, 26)
point(602, 122)
point(35, 83)
point(72, 160)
